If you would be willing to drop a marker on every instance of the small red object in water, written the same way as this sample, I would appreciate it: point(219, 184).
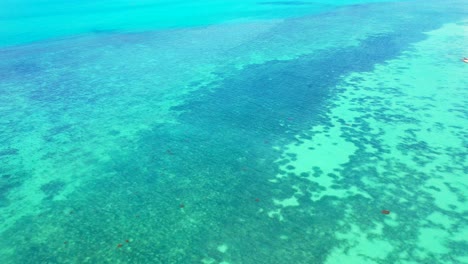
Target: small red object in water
point(257, 200)
point(385, 212)
point(128, 241)
point(119, 245)
point(182, 205)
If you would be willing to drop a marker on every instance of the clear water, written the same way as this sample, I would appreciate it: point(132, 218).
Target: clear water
point(23, 21)
point(233, 132)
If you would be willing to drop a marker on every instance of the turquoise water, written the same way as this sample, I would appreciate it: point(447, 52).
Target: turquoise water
point(32, 20)
point(233, 132)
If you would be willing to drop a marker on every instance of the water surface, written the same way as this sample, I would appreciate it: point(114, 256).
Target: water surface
point(233, 132)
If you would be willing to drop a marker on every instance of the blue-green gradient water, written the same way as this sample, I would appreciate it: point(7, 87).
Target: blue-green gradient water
point(23, 21)
point(233, 132)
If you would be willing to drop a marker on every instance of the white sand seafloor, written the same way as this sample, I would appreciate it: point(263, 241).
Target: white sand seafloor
point(431, 83)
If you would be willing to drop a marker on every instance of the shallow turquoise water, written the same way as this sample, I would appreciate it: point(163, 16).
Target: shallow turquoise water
point(241, 132)
point(32, 20)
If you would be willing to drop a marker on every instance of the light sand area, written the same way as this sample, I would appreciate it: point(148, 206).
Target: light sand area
point(414, 106)
point(327, 151)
